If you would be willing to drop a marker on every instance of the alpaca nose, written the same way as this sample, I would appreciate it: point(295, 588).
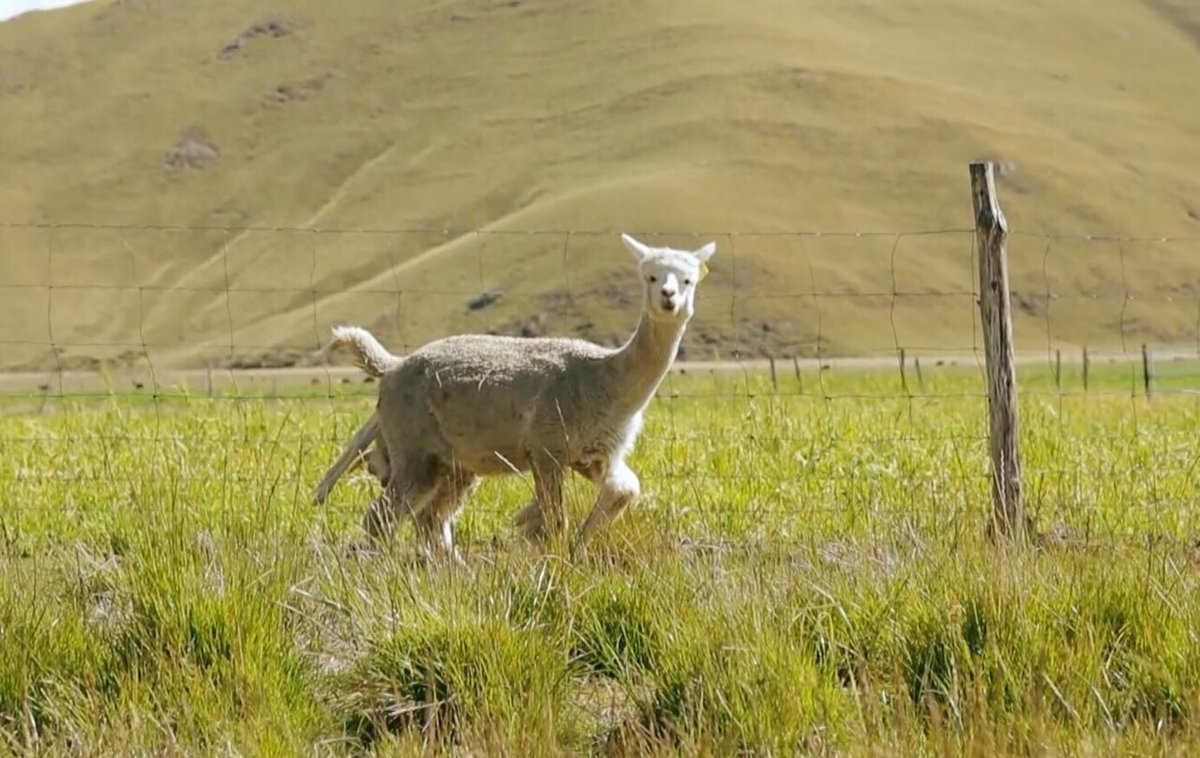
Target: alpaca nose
point(668, 291)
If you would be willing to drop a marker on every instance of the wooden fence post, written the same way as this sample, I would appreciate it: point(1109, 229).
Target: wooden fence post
point(995, 308)
point(1148, 370)
point(1058, 370)
point(774, 377)
point(1087, 364)
point(903, 371)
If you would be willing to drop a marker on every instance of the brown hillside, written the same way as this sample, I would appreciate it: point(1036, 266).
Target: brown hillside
point(463, 120)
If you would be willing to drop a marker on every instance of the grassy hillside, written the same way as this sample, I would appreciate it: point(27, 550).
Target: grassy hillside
point(550, 115)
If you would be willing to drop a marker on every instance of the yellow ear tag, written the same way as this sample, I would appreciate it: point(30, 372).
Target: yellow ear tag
point(703, 271)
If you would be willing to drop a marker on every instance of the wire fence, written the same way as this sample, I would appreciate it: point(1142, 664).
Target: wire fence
point(823, 371)
point(226, 298)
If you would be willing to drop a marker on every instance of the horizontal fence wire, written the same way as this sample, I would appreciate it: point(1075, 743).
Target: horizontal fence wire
point(825, 372)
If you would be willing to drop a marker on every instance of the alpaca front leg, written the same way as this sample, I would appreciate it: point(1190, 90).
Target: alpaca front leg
point(543, 518)
point(618, 490)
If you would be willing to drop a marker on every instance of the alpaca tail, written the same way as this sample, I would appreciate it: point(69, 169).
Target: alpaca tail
point(369, 354)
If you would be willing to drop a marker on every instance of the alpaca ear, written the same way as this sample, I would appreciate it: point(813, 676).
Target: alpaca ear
point(640, 251)
point(704, 253)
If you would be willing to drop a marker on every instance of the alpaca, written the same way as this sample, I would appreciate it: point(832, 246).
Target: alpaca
point(473, 405)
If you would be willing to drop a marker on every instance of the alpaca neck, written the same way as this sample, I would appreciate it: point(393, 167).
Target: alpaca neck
point(643, 361)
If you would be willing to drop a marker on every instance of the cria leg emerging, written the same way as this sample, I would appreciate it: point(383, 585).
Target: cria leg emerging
point(543, 519)
point(353, 454)
point(619, 488)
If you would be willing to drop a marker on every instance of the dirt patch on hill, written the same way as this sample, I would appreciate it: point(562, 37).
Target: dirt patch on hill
point(194, 150)
point(273, 27)
point(299, 91)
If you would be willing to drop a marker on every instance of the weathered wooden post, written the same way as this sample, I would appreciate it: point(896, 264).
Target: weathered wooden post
point(1148, 370)
point(995, 308)
point(1087, 364)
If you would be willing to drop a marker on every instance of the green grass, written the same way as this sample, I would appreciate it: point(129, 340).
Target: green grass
point(806, 572)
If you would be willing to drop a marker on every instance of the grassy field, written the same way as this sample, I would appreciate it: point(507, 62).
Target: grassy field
point(444, 118)
point(806, 573)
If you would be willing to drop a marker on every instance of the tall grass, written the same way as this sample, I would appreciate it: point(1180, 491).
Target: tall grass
point(807, 572)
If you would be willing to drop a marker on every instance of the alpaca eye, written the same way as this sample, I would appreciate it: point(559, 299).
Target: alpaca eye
point(687, 282)
point(653, 279)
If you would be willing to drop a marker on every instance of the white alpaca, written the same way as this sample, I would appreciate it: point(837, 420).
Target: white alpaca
point(469, 406)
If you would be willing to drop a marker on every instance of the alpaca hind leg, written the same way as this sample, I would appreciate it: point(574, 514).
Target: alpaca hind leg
point(380, 519)
point(619, 488)
point(408, 491)
point(435, 523)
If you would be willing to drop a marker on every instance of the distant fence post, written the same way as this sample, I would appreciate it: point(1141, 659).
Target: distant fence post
point(995, 307)
point(1148, 370)
point(1087, 364)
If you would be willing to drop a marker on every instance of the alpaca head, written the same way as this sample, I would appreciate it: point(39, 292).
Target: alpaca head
point(669, 277)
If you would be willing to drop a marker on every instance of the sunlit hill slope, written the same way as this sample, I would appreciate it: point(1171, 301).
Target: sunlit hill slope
point(413, 136)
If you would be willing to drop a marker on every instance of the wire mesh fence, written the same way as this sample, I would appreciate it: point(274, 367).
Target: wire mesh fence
point(835, 373)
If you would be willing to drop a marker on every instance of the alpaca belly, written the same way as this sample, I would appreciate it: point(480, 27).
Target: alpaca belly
point(477, 457)
point(488, 441)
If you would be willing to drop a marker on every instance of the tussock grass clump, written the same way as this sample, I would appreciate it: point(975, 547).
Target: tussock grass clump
point(739, 695)
point(618, 627)
point(455, 681)
point(49, 655)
